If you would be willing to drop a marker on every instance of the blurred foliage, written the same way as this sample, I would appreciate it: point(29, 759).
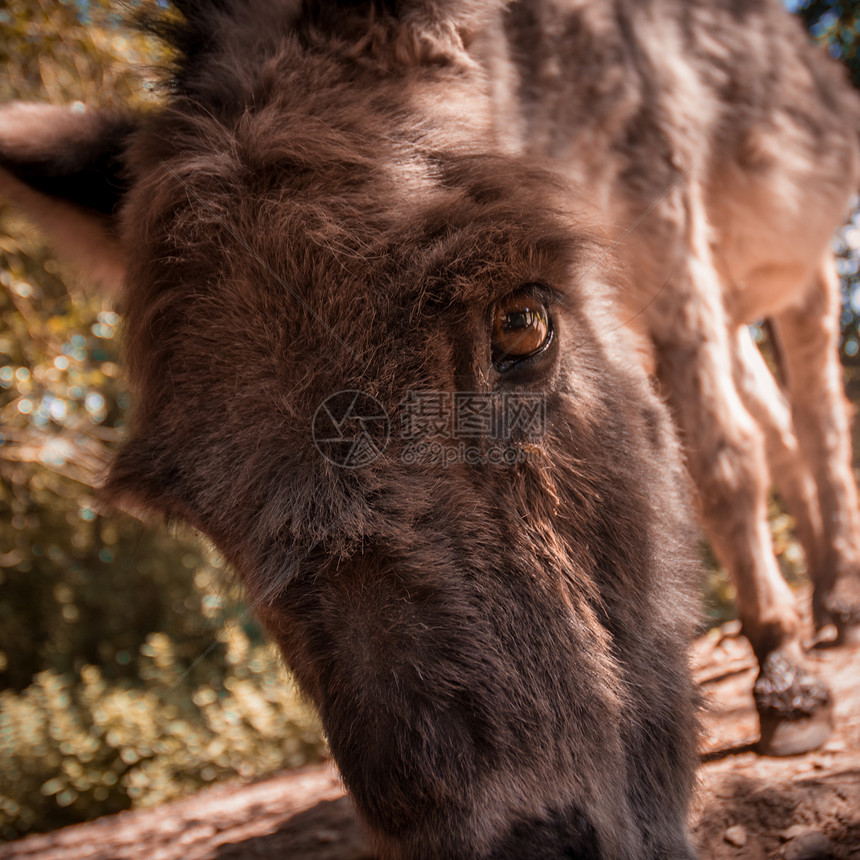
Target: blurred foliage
point(74, 746)
point(130, 670)
point(836, 22)
point(847, 246)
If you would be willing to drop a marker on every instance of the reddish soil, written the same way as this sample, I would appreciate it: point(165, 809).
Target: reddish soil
point(749, 807)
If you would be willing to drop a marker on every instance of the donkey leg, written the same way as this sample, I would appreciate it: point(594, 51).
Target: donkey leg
point(789, 470)
point(726, 457)
point(808, 335)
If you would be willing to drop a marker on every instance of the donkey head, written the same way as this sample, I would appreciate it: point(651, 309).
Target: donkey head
point(371, 360)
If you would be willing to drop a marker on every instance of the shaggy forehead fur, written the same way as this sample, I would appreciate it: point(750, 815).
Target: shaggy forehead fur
point(354, 249)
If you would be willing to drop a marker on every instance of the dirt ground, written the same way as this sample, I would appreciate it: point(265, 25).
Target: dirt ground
point(749, 807)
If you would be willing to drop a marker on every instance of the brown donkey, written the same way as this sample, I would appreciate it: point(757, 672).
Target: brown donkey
point(383, 357)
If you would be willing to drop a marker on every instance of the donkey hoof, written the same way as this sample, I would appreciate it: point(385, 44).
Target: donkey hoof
point(837, 614)
point(841, 628)
point(794, 708)
point(848, 634)
point(846, 619)
point(785, 737)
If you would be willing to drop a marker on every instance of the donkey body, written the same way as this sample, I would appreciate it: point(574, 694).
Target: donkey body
point(721, 149)
point(406, 198)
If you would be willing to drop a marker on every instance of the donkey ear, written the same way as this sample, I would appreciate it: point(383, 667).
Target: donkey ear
point(64, 168)
point(144, 480)
point(429, 29)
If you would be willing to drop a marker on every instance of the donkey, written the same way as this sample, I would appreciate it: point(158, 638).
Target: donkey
point(358, 235)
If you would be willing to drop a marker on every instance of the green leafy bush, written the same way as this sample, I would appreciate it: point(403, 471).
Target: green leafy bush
point(75, 746)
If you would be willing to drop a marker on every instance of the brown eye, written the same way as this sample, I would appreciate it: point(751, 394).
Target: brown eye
point(521, 328)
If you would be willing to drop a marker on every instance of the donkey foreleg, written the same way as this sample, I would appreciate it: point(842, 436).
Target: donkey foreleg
point(726, 454)
point(808, 336)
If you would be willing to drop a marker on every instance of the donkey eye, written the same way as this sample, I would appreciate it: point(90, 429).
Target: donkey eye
point(521, 328)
